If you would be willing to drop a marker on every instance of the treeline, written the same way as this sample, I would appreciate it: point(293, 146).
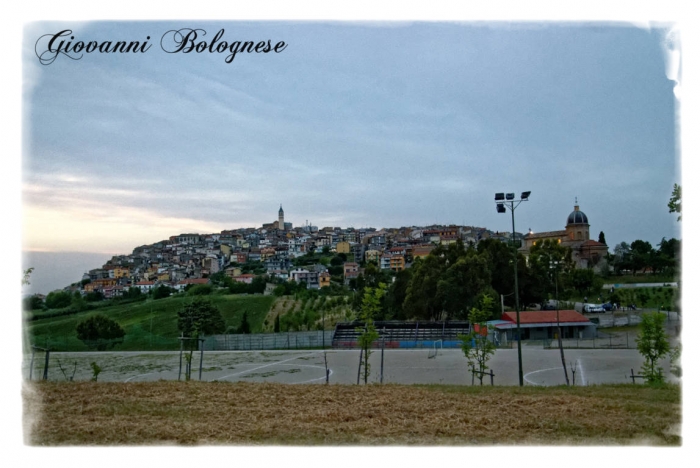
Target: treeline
point(641, 255)
point(450, 281)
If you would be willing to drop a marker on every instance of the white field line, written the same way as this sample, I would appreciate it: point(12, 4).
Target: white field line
point(140, 375)
point(307, 365)
point(583, 376)
point(261, 367)
point(535, 372)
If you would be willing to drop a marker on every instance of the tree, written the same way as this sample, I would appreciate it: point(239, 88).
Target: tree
point(586, 282)
point(94, 296)
point(397, 294)
point(277, 324)
point(161, 292)
point(32, 303)
point(621, 259)
point(543, 257)
point(421, 300)
point(674, 204)
point(653, 344)
point(58, 300)
point(200, 317)
point(99, 332)
point(601, 238)
point(26, 274)
point(462, 283)
point(640, 255)
point(199, 289)
point(244, 326)
point(476, 346)
point(371, 306)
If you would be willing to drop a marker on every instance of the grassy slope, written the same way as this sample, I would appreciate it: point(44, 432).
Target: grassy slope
point(96, 413)
point(138, 319)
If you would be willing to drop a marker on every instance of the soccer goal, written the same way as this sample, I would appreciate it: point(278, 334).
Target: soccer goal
point(433, 352)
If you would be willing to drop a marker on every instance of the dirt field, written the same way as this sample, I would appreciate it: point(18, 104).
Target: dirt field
point(147, 413)
point(540, 367)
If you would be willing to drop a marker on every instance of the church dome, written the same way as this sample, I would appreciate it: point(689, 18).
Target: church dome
point(577, 217)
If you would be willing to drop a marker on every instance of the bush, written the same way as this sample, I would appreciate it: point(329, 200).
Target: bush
point(200, 290)
point(58, 300)
point(32, 303)
point(162, 292)
point(99, 332)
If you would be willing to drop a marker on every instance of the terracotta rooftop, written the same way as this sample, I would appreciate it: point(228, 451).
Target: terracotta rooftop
point(545, 316)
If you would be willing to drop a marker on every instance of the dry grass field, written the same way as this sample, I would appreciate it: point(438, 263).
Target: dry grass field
point(222, 413)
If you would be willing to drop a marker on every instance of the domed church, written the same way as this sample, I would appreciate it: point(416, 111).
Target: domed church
point(585, 252)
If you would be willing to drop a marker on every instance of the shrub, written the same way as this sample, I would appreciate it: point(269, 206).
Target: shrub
point(99, 332)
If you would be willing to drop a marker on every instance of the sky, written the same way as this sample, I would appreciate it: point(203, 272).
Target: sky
point(382, 124)
point(379, 124)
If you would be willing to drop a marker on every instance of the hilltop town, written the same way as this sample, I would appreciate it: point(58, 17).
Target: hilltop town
point(242, 254)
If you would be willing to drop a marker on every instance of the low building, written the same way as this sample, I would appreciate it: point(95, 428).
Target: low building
point(324, 279)
point(310, 278)
point(542, 325)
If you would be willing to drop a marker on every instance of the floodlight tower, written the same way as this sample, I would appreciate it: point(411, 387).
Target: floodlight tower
point(504, 201)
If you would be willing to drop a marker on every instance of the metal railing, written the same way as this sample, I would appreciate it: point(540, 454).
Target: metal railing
point(289, 340)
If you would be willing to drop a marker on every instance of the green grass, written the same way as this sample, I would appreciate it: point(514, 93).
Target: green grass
point(149, 325)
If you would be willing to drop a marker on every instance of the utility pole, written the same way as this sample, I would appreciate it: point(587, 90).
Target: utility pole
point(556, 292)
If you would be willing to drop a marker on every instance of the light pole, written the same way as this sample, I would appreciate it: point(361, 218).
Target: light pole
point(504, 201)
point(554, 265)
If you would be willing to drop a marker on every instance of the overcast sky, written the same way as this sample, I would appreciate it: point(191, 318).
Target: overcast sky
point(382, 124)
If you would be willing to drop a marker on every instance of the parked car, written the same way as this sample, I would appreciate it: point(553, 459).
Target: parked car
point(607, 306)
point(548, 307)
point(593, 309)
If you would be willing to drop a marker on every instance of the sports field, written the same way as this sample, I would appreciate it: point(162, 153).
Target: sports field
point(541, 367)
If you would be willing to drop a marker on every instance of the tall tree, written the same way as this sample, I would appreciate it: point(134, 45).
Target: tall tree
point(621, 257)
point(421, 295)
point(641, 252)
point(396, 295)
point(244, 327)
point(674, 204)
point(601, 238)
point(461, 284)
point(499, 257)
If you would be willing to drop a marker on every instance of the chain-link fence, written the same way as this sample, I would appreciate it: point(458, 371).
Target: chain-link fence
point(291, 340)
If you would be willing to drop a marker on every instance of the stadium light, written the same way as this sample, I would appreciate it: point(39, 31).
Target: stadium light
point(501, 208)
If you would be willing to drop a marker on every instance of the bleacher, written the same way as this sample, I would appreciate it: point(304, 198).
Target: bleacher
point(397, 334)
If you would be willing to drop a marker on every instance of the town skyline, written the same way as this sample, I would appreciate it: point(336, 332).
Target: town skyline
point(56, 270)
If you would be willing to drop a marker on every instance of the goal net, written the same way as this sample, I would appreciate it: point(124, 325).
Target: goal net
point(433, 352)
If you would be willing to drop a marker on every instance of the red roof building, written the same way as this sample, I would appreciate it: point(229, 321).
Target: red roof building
point(542, 324)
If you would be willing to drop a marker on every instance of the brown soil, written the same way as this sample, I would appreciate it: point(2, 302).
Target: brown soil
point(97, 413)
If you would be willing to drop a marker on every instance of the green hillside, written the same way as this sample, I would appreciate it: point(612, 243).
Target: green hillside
point(149, 325)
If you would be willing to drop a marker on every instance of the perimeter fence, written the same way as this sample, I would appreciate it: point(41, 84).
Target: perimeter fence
point(290, 340)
